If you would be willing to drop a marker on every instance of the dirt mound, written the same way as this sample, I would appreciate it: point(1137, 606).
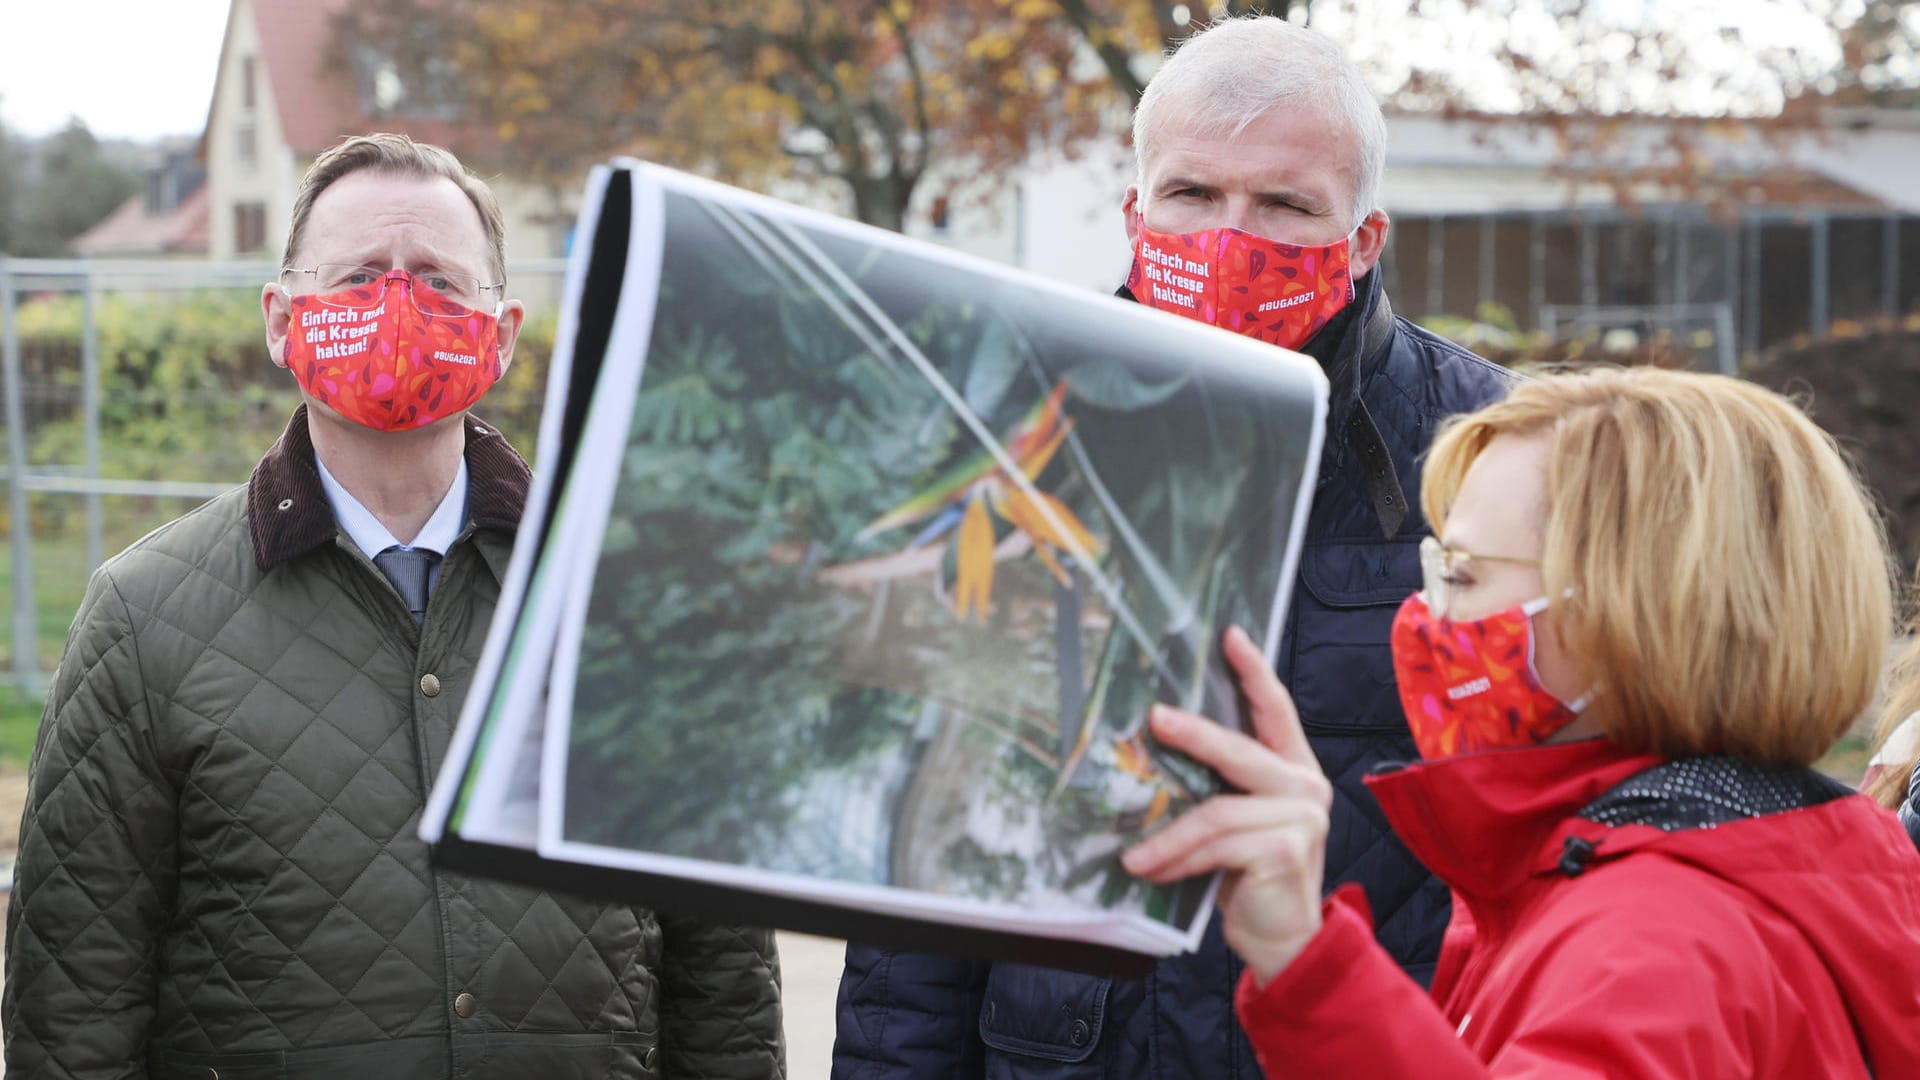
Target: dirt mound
point(1865, 389)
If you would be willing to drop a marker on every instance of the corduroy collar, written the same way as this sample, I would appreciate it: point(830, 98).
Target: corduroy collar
point(287, 510)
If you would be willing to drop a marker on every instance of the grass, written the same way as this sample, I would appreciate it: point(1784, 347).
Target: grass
point(59, 581)
point(60, 572)
point(19, 720)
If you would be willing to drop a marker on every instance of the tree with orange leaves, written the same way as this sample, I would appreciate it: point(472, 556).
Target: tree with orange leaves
point(873, 96)
point(866, 95)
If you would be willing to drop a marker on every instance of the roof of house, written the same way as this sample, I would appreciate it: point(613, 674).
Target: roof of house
point(133, 229)
point(319, 103)
point(1491, 164)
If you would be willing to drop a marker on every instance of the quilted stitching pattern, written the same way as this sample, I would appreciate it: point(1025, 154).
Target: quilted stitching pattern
point(219, 850)
point(1407, 903)
point(713, 1026)
point(93, 974)
point(896, 1009)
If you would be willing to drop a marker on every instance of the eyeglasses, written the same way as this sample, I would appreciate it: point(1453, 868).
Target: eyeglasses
point(1438, 565)
point(433, 292)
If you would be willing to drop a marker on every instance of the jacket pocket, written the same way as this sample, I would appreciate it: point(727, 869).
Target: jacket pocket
point(419, 1056)
point(509, 1055)
point(1342, 672)
point(268, 1065)
point(1036, 1015)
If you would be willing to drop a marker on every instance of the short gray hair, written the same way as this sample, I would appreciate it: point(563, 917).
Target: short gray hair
point(1229, 74)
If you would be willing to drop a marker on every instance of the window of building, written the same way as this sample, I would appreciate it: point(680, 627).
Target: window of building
point(247, 93)
point(249, 227)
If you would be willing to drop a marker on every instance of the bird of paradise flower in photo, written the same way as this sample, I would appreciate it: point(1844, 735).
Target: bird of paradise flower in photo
point(965, 500)
point(1130, 756)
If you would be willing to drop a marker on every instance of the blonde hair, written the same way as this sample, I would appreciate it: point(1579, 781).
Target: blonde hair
point(1729, 577)
point(397, 155)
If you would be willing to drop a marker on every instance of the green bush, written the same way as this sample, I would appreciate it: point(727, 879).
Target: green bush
point(513, 405)
point(186, 392)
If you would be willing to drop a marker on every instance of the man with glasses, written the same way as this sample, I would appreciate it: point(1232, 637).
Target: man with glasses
point(219, 874)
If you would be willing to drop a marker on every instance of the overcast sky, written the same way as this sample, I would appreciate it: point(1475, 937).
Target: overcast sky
point(135, 68)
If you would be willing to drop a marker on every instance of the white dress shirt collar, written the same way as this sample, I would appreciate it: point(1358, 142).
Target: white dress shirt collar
point(372, 538)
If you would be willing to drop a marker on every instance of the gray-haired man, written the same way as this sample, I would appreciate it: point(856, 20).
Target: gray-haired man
point(1259, 148)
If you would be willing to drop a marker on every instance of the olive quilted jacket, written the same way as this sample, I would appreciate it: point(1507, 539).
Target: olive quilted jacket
point(219, 874)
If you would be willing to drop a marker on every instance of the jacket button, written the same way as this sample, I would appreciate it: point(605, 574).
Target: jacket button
point(652, 1058)
point(430, 684)
point(1078, 1034)
point(464, 1005)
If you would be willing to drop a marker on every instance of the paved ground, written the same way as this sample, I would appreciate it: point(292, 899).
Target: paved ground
point(811, 969)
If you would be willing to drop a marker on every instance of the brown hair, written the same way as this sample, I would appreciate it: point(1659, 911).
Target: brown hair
point(1729, 577)
point(397, 155)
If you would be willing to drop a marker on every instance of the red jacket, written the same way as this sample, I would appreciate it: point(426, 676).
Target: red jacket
point(1781, 945)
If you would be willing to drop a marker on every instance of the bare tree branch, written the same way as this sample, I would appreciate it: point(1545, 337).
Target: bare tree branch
point(1112, 54)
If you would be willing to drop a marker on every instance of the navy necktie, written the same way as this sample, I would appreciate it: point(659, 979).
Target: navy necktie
point(410, 570)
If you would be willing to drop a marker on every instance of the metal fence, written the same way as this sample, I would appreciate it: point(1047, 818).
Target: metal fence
point(133, 390)
point(1781, 272)
point(1704, 329)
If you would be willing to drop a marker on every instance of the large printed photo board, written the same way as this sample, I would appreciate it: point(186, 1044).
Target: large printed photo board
point(851, 568)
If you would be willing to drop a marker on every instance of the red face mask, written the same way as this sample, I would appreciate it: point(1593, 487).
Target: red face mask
point(1470, 685)
point(393, 354)
point(1280, 293)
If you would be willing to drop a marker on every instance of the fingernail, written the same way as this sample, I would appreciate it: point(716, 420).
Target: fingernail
point(1165, 719)
point(1133, 860)
point(1240, 637)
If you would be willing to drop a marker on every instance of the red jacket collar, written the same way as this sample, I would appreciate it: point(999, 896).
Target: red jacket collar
point(1481, 821)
